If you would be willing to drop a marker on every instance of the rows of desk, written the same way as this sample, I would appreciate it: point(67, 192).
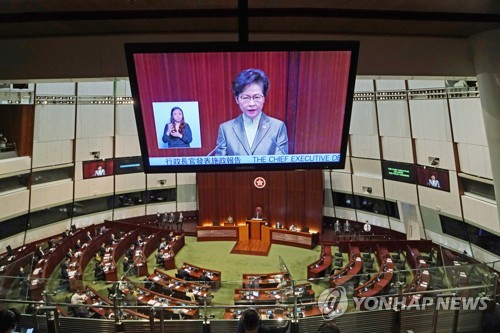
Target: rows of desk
point(321, 266)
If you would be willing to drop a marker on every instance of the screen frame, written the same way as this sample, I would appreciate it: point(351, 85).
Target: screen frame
point(143, 48)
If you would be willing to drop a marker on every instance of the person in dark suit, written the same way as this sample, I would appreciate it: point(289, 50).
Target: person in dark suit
point(88, 237)
point(102, 250)
point(66, 233)
point(70, 253)
point(127, 266)
point(138, 241)
point(253, 132)
point(183, 273)
point(50, 243)
point(204, 278)
point(99, 272)
point(39, 253)
point(177, 132)
point(131, 251)
point(78, 245)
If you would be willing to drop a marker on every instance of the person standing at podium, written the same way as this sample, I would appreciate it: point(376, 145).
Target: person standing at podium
point(258, 213)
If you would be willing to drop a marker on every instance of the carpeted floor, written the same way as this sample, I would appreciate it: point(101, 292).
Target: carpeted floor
point(216, 255)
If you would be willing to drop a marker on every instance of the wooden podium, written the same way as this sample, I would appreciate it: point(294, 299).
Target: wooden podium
point(254, 228)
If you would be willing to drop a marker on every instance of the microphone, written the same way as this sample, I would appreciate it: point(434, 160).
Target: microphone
point(277, 145)
point(217, 147)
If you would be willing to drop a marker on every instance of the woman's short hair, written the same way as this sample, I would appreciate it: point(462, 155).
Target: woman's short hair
point(9, 319)
point(328, 327)
point(250, 318)
point(249, 76)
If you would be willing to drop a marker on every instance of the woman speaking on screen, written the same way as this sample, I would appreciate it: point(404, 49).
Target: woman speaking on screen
point(177, 133)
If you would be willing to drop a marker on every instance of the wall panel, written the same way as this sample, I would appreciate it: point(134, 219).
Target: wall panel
point(397, 149)
point(130, 182)
point(481, 213)
point(366, 146)
point(126, 146)
point(430, 119)
point(399, 191)
point(48, 153)
point(94, 121)
point(15, 165)
point(14, 204)
point(467, 121)
point(393, 112)
point(474, 160)
point(48, 195)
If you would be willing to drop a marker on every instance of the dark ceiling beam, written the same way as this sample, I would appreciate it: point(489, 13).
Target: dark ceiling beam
point(250, 13)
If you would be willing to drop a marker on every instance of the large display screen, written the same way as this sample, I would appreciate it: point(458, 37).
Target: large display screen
point(435, 178)
point(125, 165)
point(242, 106)
point(398, 171)
point(97, 168)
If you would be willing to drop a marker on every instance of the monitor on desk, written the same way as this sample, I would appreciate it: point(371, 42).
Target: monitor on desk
point(255, 293)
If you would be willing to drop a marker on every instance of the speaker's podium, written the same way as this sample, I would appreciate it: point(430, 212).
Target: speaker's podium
point(255, 228)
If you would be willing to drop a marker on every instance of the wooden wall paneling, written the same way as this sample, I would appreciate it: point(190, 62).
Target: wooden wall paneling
point(243, 208)
point(260, 196)
point(317, 113)
point(207, 197)
point(17, 123)
point(277, 197)
point(295, 198)
point(225, 195)
point(313, 198)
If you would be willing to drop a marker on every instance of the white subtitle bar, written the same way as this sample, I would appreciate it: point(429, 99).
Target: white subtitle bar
point(237, 160)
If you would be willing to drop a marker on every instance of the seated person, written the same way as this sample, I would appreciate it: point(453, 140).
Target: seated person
point(159, 259)
point(250, 323)
point(99, 272)
point(80, 298)
point(102, 250)
point(162, 244)
point(128, 266)
point(190, 295)
point(50, 243)
point(66, 233)
point(183, 273)
point(293, 227)
point(130, 252)
point(204, 277)
point(70, 254)
point(78, 245)
point(102, 230)
point(230, 220)
point(114, 240)
point(39, 253)
point(138, 241)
